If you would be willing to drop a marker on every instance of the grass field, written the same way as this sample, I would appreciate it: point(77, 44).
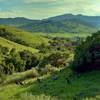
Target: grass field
point(18, 47)
point(26, 36)
point(64, 35)
point(69, 35)
point(83, 87)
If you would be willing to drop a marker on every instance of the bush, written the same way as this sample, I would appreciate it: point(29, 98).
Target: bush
point(13, 61)
point(3, 50)
point(87, 54)
point(56, 59)
point(30, 59)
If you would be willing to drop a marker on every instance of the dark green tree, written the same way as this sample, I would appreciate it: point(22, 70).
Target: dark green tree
point(87, 54)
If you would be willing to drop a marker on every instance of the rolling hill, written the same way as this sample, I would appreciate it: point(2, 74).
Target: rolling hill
point(63, 26)
point(22, 37)
point(93, 21)
point(18, 47)
point(18, 21)
point(58, 24)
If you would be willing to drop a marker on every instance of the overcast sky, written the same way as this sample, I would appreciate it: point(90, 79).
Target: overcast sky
point(39, 9)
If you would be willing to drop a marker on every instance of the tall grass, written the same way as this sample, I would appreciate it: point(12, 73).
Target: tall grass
point(28, 96)
point(17, 77)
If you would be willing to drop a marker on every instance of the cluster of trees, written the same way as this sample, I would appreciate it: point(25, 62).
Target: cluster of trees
point(13, 61)
point(87, 54)
point(56, 59)
point(57, 44)
point(54, 54)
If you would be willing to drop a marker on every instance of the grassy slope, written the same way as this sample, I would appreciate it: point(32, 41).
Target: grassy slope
point(68, 35)
point(26, 36)
point(10, 44)
point(87, 85)
point(38, 38)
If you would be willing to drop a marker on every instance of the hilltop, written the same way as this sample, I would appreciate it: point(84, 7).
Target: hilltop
point(58, 24)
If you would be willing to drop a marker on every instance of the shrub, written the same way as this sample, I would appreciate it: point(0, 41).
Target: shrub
point(56, 59)
point(87, 54)
point(13, 62)
point(30, 59)
point(3, 50)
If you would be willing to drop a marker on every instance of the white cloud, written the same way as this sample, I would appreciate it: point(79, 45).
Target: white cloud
point(38, 9)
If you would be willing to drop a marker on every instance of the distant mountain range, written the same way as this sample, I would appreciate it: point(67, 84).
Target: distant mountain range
point(58, 24)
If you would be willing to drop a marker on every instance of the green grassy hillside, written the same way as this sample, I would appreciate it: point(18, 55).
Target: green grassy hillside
point(12, 45)
point(81, 87)
point(69, 35)
point(21, 36)
point(18, 47)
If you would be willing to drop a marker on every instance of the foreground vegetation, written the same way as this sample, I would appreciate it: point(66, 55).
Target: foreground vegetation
point(81, 87)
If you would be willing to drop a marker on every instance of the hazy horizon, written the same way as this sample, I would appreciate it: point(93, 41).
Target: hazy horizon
point(41, 9)
point(50, 16)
